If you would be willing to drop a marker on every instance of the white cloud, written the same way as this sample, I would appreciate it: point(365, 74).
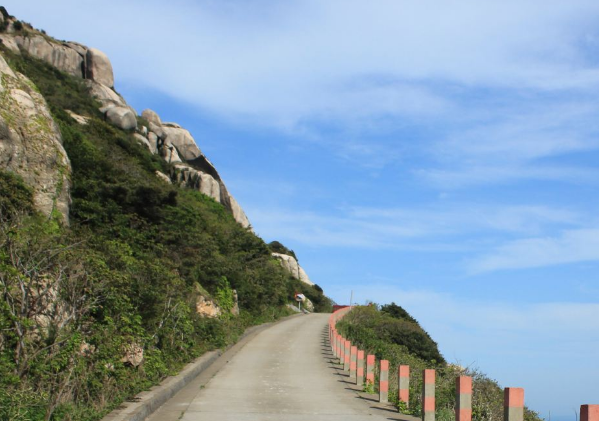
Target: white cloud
point(432, 228)
point(571, 246)
point(284, 62)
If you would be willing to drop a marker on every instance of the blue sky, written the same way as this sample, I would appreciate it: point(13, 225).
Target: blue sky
point(439, 154)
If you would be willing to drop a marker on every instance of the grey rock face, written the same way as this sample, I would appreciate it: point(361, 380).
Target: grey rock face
point(153, 141)
point(238, 213)
point(142, 141)
point(30, 143)
point(291, 265)
point(151, 116)
point(98, 67)
point(61, 56)
point(183, 141)
point(163, 177)
point(198, 180)
point(122, 117)
point(170, 154)
point(9, 42)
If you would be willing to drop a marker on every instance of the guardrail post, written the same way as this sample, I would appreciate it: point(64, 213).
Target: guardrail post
point(333, 342)
point(428, 395)
point(589, 412)
point(360, 369)
point(370, 369)
point(341, 350)
point(384, 382)
point(353, 361)
point(463, 398)
point(338, 339)
point(513, 404)
point(403, 374)
point(346, 355)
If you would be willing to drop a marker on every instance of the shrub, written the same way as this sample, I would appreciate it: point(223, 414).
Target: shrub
point(277, 247)
point(18, 25)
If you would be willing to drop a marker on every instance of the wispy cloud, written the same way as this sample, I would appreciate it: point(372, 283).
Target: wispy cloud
point(433, 228)
point(309, 59)
point(521, 142)
point(570, 246)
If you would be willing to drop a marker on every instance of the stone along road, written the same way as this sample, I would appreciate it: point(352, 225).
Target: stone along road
point(284, 373)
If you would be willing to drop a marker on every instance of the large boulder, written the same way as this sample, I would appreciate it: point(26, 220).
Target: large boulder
point(198, 180)
point(121, 117)
point(98, 67)
point(9, 42)
point(292, 266)
point(170, 154)
point(31, 144)
point(61, 56)
point(239, 214)
point(151, 116)
point(205, 307)
point(183, 141)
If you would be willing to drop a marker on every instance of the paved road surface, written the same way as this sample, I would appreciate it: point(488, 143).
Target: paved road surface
point(284, 373)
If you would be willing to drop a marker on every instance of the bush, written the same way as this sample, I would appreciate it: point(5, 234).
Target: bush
point(18, 25)
point(277, 247)
point(4, 12)
point(15, 196)
point(392, 334)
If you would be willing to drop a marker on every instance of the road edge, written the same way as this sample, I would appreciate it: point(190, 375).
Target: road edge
point(146, 403)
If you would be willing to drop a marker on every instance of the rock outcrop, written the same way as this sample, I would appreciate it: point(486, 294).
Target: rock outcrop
point(31, 144)
point(192, 168)
point(171, 141)
point(207, 308)
point(61, 56)
point(98, 67)
point(293, 267)
point(121, 117)
point(134, 354)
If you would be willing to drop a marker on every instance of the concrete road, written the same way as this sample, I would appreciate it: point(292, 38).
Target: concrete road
point(284, 373)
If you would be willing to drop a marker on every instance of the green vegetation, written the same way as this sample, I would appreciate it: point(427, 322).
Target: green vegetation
point(125, 276)
point(390, 333)
point(277, 247)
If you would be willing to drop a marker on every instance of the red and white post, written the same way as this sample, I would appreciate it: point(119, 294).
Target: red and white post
point(353, 362)
point(384, 382)
point(370, 369)
point(463, 398)
point(589, 412)
point(403, 375)
point(346, 352)
point(513, 404)
point(428, 395)
point(333, 341)
point(360, 369)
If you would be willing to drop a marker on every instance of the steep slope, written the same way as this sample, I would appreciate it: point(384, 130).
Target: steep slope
point(151, 271)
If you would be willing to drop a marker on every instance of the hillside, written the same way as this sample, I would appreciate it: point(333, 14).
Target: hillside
point(390, 333)
point(121, 259)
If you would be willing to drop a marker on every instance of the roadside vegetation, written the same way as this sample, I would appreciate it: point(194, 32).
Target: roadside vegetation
point(390, 333)
point(93, 313)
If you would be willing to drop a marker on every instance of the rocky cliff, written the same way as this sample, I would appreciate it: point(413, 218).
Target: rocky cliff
point(30, 141)
point(31, 144)
point(292, 266)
